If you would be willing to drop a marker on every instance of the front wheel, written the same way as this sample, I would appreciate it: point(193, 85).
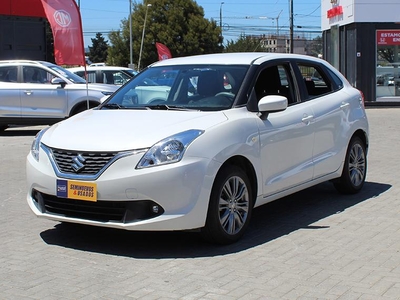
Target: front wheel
point(229, 208)
point(355, 168)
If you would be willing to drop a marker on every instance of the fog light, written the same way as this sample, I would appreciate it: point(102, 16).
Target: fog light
point(155, 209)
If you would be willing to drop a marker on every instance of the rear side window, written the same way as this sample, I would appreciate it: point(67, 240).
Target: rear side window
point(8, 74)
point(318, 81)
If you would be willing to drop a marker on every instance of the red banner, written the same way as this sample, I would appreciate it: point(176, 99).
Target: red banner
point(65, 22)
point(388, 37)
point(163, 51)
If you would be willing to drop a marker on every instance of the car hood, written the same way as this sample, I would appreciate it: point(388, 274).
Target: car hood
point(118, 130)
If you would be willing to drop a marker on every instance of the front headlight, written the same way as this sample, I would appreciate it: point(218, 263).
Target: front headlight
point(36, 143)
point(169, 150)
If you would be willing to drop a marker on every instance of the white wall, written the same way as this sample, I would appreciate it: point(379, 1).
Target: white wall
point(357, 11)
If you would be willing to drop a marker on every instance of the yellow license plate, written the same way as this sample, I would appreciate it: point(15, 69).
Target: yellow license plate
point(79, 190)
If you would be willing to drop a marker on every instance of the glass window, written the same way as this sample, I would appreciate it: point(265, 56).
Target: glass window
point(211, 87)
point(8, 74)
point(275, 80)
point(388, 64)
point(35, 75)
point(316, 82)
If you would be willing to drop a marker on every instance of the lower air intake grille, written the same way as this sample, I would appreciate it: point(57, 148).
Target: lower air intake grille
point(102, 211)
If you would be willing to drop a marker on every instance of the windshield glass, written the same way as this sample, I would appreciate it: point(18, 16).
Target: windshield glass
point(212, 87)
point(67, 74)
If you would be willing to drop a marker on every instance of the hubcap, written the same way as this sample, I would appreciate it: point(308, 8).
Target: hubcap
point(357, 165)
point(233, 205)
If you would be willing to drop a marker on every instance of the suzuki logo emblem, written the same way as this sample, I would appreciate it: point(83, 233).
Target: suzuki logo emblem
point(78, 163)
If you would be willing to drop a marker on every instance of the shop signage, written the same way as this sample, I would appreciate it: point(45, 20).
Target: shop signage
point(388, 37)
point(336, 9)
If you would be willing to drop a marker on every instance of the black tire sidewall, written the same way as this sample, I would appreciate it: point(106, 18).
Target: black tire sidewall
point(213, 231)
point(344, 184)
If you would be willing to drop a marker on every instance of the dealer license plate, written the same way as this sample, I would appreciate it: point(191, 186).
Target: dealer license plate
point(79, 190)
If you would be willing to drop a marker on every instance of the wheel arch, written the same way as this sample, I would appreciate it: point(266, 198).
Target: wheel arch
point(81, 106)
point(363, 136)
point(244, 164)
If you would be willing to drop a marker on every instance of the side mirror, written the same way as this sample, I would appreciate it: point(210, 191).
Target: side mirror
point(57, 80)
point(271, 104)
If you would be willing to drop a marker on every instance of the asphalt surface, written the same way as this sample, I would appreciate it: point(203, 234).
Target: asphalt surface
point(316, 244)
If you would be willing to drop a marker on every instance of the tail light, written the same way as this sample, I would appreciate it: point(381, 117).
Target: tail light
point(362, 99)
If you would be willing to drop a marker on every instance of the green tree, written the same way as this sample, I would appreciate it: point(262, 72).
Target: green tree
point(315, 47)
point(178, 24)
point(244, 44)
point(98, 51)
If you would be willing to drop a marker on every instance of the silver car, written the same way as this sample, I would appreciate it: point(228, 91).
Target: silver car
point(41, 93)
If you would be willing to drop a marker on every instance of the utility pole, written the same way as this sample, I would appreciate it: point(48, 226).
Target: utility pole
point(220, 20)
point(143, 30)
point(130, 34)
point(291, 26)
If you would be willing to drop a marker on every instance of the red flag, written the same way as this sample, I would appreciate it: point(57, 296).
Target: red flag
point(163, 51)
point(66, 24)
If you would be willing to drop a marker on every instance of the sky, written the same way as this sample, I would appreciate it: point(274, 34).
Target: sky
point(254, 17)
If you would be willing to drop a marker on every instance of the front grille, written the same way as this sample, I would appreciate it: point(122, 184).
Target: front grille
point(94, 161)
point(102, 211)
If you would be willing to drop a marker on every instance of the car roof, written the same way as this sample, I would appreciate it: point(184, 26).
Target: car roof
point(25, 61)
point(238, 58)
point(93, 68)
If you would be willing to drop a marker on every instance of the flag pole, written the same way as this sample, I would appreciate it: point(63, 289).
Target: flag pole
point(83, 54)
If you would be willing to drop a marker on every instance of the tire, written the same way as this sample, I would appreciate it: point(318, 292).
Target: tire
point(355, 168)
point(230, 207)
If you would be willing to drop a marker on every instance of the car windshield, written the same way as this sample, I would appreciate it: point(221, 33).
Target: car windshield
point(205, 88)
point(67, 74)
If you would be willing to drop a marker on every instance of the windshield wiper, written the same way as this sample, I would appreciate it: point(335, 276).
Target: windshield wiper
point(167, 107)
point(114, 106)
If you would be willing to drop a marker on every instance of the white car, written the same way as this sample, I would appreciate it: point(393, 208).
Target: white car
point(105, 74)
point(41, 93)
point(252, 129)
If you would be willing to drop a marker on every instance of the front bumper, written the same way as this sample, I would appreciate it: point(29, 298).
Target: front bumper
point(169, 197)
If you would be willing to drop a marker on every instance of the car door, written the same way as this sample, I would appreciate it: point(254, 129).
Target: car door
point(286, 137)
point(10, 100)
point(40, 98)
point(330, 116)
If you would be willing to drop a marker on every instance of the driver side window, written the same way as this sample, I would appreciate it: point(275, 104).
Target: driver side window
point(275, 80)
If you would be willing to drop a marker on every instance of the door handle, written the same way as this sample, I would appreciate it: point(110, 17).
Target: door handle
point(307, 119)
point(344, 105)
point(28, 93)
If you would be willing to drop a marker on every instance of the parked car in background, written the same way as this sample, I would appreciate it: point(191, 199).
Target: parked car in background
point(232, 132)
point(105, 74)
point(40, 93)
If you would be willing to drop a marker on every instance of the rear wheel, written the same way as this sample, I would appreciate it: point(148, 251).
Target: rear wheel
point(355, 168)
point(229, 208)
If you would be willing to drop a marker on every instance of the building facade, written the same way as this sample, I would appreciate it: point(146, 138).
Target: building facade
point(362, 40)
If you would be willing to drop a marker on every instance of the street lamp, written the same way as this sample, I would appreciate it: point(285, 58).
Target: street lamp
point(220, 16)
point(141, 44)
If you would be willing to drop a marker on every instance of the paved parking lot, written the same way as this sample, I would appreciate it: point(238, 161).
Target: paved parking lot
point(315, 244)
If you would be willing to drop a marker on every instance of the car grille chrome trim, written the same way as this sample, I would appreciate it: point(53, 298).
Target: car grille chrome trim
point(85, 165)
